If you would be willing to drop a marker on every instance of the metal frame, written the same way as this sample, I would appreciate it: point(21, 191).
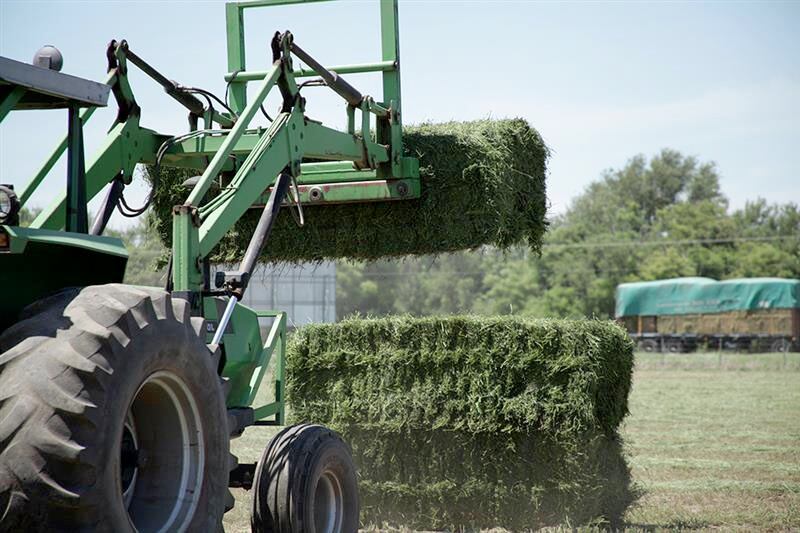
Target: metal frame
point(363, 164)
point(42, 88)
point(276, 340)
point(388, 66)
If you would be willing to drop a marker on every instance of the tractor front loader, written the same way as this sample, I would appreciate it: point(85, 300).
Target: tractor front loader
point(118, 402)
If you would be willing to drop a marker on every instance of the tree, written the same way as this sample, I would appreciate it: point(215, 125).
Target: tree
point(146, 252)
point(26, 216)
point(761, 259)
point(652, 219)
point(669, 263)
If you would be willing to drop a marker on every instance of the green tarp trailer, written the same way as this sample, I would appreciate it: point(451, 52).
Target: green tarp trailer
point(681, 313)
point(681, 296)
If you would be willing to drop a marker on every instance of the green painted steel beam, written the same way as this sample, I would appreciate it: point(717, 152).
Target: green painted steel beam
point(321, 143)
point(45, 169)
point(58, 151)
point(353, 192)
point(342, 183)
point(245, 351)
point(244, 4)
point(77, 219)
point(209, 145)
point(220, 157)
point(280, 382)
point(360, 68)
point(124, 146)
point(186, 256)
point(11, 99)
point(336, 175)
point(222, 120)
point(271, 409)
point(330, 144)
point(377, 109)
point(20, 237)
point(234, 24)
point(247, 186)
point(268, 313)
point(390, 51)
point(328, 166)
point(275, 340)
point(338, 172)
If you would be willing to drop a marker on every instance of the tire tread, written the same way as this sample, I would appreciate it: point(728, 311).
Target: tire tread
point(53, 362)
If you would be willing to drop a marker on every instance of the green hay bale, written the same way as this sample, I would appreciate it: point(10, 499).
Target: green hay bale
point(483, 182)
point(473, 374)
point(472, 421)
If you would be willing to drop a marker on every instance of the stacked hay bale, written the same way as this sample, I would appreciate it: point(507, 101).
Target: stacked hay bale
point(483, 182)
point(472, 421)
point(454, 421)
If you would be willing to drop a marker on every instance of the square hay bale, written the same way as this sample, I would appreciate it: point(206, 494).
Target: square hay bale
point(472, 421)
point(483, 182)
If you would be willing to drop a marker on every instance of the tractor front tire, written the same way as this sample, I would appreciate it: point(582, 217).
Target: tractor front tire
point(305, 482)
point(112, 416)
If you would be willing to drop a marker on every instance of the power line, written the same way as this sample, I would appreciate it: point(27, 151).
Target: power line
point(623, 244)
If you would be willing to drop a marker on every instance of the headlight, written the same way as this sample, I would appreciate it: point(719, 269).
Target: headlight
point(9, 205)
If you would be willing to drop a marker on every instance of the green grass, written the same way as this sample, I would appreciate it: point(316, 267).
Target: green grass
point(718, 361)
point(713, 441)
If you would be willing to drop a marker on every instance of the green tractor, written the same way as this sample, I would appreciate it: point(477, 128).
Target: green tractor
point(118, 402)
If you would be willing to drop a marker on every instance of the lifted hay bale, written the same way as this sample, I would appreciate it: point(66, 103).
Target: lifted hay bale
point(483, 182)
point(473, 422)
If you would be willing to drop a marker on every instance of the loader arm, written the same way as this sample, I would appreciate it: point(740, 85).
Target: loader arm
point(183, 365)
point(364, 163)
point(290, 139)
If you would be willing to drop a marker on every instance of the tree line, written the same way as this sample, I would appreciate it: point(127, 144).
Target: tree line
point(654, 218)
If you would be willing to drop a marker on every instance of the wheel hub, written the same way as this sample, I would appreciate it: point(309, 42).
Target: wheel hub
point(128, 460)
point(162, 455)
point(328, 504)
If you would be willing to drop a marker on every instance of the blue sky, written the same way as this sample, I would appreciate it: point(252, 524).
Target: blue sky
point(601, 81)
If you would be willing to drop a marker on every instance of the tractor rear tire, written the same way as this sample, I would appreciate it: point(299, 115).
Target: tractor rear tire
point(112, 416)
point(305, 482)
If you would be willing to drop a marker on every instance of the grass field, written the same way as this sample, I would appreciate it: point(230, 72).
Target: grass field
point(713, 441)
